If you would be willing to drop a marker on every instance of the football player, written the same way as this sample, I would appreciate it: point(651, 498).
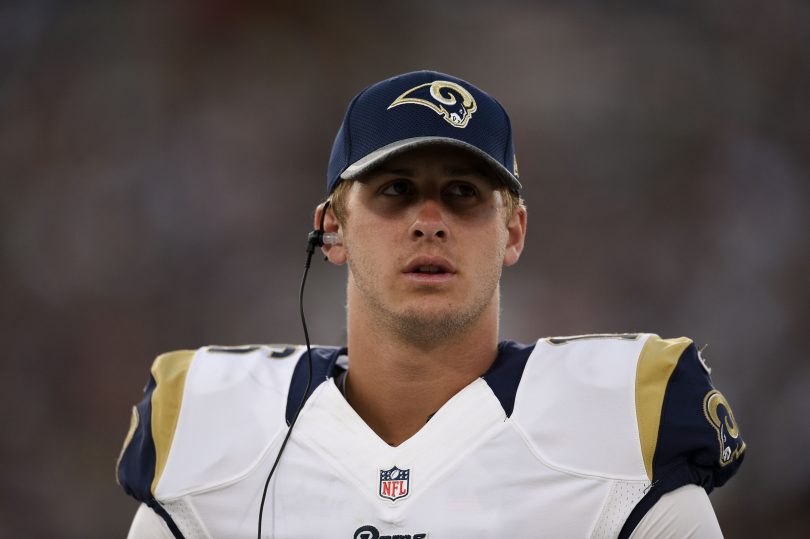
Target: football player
point(425, 425)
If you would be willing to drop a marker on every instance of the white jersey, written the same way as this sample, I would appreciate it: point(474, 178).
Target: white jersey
point(570, 437)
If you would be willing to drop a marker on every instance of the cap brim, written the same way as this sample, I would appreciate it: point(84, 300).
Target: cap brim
point(377, 157)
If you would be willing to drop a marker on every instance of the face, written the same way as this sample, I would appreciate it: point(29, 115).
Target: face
point(425, 239)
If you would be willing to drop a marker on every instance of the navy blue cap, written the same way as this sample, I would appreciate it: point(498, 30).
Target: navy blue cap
point(416, 109)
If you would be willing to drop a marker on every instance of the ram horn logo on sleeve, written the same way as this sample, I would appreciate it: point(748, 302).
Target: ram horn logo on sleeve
point(718, 413)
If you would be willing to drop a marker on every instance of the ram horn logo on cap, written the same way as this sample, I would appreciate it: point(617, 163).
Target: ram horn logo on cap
point(449, 100)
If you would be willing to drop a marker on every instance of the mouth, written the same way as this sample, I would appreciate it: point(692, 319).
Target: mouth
point(430, 269)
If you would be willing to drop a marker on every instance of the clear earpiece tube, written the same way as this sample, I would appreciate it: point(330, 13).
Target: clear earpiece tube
point(331, 238)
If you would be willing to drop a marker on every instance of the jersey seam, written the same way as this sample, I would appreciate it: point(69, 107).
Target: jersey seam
point(556, 467)
point(230, 481)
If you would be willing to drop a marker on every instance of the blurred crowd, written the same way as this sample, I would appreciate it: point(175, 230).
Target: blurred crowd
point(160, 161)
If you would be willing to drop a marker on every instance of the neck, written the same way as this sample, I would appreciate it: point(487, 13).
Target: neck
point(396, 383)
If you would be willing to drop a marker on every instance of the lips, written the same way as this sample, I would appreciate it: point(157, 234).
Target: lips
point(429, 269)
point(429, 266)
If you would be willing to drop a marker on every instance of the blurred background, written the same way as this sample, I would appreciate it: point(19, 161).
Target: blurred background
point(160, 161)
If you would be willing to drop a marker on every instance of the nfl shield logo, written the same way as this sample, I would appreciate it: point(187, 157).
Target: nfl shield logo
point(394, 483)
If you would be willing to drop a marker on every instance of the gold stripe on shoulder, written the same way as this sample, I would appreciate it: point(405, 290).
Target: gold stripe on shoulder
point(169, 371)
point(657, 361)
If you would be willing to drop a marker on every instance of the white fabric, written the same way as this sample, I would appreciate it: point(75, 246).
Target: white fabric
point(186, 518)
point(614, 514)
point(334, 429)
point(148, 525)
point(561, 386)
point(550, 470)
point(226, 402)
point(684, 513)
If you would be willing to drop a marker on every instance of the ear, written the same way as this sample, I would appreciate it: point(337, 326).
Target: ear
point(335, 253)
point(516, 230)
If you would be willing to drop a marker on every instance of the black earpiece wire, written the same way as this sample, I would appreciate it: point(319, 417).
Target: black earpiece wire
point(314, 240)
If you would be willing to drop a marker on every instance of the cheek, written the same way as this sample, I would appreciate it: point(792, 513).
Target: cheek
point(372, 229)
point(365, 244)
point(493, 241)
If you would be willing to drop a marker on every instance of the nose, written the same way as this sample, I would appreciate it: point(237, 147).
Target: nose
point(429, 223)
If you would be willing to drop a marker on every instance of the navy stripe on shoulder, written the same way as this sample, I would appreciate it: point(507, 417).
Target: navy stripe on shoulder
point(136, 468)
point(505, 373)
point(693, 431)
point(323, 366)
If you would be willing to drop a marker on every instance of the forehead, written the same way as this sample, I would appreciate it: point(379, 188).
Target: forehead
point(442, 158)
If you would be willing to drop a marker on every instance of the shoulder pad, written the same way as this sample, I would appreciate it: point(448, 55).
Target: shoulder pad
point(576, 404)
point(627, 406)
point(219, 394)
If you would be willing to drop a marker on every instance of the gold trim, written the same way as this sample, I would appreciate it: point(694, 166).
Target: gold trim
point(169, 371)
point(657, 361)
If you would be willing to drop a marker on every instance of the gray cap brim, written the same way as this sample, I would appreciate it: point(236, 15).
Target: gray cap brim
point(377, 157)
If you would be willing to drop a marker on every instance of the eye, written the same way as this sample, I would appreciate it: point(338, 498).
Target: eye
point(397, 188)
point(461, 190)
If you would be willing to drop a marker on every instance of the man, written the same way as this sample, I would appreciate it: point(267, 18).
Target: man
point(426, 425)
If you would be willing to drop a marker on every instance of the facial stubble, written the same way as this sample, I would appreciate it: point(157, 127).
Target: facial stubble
point(414, 325)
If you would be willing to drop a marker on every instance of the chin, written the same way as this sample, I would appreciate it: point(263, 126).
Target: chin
point(439, 318)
